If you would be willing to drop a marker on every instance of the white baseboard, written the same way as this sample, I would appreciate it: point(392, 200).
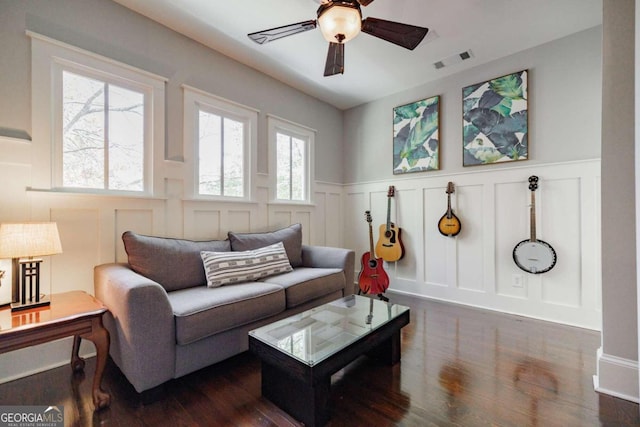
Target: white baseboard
point(617, 377)
point(33, 360)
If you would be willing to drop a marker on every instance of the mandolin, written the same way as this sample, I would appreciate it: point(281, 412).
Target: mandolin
point(372, 278)
point(449, 224)
point(534, 255)
point(389, 246)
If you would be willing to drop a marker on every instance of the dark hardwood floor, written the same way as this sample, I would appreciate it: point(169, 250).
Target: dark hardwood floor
point(460, 367)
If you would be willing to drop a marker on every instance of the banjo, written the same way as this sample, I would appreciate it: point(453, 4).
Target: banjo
point(534, 255)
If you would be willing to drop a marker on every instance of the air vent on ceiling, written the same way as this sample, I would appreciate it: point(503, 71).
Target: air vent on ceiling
point(453, 59)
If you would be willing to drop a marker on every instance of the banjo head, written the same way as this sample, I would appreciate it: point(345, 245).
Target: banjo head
point(534, 256)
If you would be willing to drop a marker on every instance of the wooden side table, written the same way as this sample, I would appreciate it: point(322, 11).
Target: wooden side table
point(76, 314)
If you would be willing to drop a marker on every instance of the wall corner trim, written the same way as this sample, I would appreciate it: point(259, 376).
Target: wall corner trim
point(617, 377)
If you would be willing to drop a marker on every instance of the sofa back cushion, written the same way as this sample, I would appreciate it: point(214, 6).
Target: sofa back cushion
point(174, 263)
point(291, 238)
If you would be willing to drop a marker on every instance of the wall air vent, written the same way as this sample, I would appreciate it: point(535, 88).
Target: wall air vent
point(453, 59)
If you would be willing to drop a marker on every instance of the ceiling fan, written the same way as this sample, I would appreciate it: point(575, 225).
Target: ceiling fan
point(340, 21)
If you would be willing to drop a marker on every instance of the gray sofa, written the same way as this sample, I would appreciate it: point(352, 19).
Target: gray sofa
point(165, 321)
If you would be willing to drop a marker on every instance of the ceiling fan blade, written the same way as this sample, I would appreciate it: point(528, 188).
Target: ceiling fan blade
point(405, 35)
point(365, 2)
point(265, 36)
point(335, 60)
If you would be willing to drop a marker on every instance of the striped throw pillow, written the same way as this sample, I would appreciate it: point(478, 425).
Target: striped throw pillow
point(227, 268)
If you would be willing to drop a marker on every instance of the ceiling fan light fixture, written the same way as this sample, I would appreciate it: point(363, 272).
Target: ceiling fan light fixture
point(340, 22)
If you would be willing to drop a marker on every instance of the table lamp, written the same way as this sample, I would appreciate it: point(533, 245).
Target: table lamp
point(22, 242)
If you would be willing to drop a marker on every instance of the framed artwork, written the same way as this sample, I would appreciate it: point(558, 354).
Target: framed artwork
point(6, 283)
point(416, 136)
point(494, 120)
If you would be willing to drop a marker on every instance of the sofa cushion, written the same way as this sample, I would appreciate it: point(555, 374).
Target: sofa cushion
point(228, 268)
point(174, 263)
point(201, 312)
point(291, 237)
point(305, 284)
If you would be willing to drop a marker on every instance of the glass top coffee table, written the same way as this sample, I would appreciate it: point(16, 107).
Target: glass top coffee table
point(301, 352)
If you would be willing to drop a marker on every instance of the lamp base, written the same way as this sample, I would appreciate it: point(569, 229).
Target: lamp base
point(18, 306)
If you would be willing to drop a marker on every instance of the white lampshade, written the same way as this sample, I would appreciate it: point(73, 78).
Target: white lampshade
point(339, 21)
point(30, 239)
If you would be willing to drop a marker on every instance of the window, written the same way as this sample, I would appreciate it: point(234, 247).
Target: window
point(291, 146)
point(102, 135)
point(104, 121)
point(220, 155)
point(221, 135)
point(290, 169)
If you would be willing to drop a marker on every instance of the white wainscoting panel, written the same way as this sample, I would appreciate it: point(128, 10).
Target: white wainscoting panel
point(356, 233)
point(239, 219)
point(79, 229)
point(281, 216)
point(204, 225)
point(511, 225)
point(469, 243)
point(476, 267)
point(406, 202)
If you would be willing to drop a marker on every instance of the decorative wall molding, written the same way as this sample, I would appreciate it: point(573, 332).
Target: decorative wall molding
point(476, 268)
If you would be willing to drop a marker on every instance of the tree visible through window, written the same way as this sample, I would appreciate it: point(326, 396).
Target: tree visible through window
point(291, 167)
point(221, 155)
point(103, 135)
point(291, 149)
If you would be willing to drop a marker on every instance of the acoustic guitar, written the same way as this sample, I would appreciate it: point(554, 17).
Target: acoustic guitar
point(389, 246)
point(534, 255)
point(449, 225)
point(372, 278)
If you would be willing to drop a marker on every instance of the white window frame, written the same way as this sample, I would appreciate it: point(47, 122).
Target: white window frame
point(49, 59)
point(277, 125)
point(196, 100)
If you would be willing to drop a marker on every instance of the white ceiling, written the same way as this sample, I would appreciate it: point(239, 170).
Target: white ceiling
point(491, 29)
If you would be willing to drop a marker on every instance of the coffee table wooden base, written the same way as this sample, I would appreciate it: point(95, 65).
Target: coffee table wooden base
point(307, 402)
point(302, 390)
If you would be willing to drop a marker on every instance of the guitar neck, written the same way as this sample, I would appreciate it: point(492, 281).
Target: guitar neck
point(371, 251)
point(388, 213)
point(449, 205)
point(533, 216)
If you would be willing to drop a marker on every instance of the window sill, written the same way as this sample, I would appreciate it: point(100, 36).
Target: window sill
point(89, 193)
point(291, 203)
point(219, 200)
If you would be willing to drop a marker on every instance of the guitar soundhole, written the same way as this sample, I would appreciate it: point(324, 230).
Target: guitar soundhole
point(391, 236)
point(373, 264)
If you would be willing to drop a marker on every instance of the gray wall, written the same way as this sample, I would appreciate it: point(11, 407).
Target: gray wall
point(619, 303)
point(564, 110)
point(106, 28)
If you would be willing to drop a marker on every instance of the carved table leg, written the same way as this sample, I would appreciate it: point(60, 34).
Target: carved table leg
point(100, 338)
point(77, 362)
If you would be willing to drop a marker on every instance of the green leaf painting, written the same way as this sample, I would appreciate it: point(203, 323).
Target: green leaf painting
point(495, 121)
point(416, 129)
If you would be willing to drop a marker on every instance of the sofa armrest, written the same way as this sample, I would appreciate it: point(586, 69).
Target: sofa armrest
point(141, 323)
point(330, 257)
